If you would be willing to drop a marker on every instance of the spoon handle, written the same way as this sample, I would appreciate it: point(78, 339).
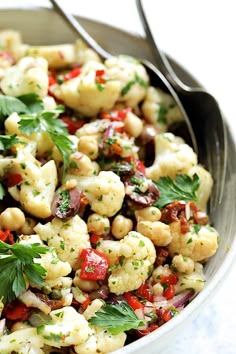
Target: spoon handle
point(80, 30)
point(160, 59)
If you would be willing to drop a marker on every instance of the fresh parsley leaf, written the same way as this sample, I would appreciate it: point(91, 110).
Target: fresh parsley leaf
point(32, 101)
point(65, 147)
point(56, 128)
point(6, 141)
point(182, 188)
point(16, 261)
point(2, 191)
point(9, 104)
point(136, 80)
point(116, 318)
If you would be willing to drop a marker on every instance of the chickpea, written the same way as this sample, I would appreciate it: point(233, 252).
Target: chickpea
point(133, 125)
point(148, 214)
point(28, 227)
point(182, 264)
point(80, 164)
point(84, 285)
point(70, 184)
point(121, 226)
point(158, 232)
point(12, 219)
point(17, 326)
point(98, 224)
point(88, 145)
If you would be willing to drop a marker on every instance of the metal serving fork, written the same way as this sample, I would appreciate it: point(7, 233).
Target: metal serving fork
point(204, 115)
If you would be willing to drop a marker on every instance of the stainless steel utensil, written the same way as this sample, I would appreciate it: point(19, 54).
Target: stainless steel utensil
point(204, 115)
point(156, 77)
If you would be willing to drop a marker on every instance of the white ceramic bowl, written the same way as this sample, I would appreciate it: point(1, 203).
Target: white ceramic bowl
point(43, 26)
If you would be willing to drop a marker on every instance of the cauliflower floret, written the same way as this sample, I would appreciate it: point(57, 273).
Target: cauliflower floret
point(101, 342)
point(199, 243)
point(49, 261)
point(182, 264)
point(205, 185)
point(67, 237)
point(137, 253)
point(172, 156)
point(105, 192)
point(66, 328)
point(156, 231)
point(23, 341)
point(38, 185)
point(133, 77)
point(85, 95)
point(95, 128)
point(27, 76)
point(58, 56)
point(11, 42)
point(194, 281)
point(61, 55)
point(160, 109)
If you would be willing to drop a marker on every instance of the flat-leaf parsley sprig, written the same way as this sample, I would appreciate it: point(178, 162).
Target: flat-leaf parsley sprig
point(117, 318)
point(17, 261)
point(47, 122)
point(182, 188)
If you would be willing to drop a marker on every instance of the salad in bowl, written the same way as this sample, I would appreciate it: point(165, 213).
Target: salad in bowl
point(104, 229)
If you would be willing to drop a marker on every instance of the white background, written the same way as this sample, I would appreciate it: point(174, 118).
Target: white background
point(201, 36)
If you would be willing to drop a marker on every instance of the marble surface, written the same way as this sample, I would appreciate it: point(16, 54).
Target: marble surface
point(207, 49)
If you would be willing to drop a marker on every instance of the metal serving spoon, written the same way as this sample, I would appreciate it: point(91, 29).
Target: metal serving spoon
point(157, 78)
point(204, 114)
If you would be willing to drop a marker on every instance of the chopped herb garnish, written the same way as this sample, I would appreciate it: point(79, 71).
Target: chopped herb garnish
point(196, 228)
point(182, 188)
point(136, 80)
point(16, 261)
point(56, 128)
point(7, 141)
point(116, 318)
point(162, 114)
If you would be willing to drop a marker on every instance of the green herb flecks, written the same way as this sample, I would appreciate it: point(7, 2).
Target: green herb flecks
point(161, 117)
point(137, 80)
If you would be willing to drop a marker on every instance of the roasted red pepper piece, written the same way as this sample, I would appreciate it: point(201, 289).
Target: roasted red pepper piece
point(7, 237)
point(16, 311)
point(169, 279)
point(133, 301)
point(72, 125)
point(72, 74)
point(94, 266)
point(13, 180)
point(94, 238)
point(150, 329)
point(86, 302)
point(169, 292)
point(145, 292)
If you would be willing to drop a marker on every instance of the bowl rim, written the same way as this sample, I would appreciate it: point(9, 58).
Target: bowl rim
point(213, 283)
